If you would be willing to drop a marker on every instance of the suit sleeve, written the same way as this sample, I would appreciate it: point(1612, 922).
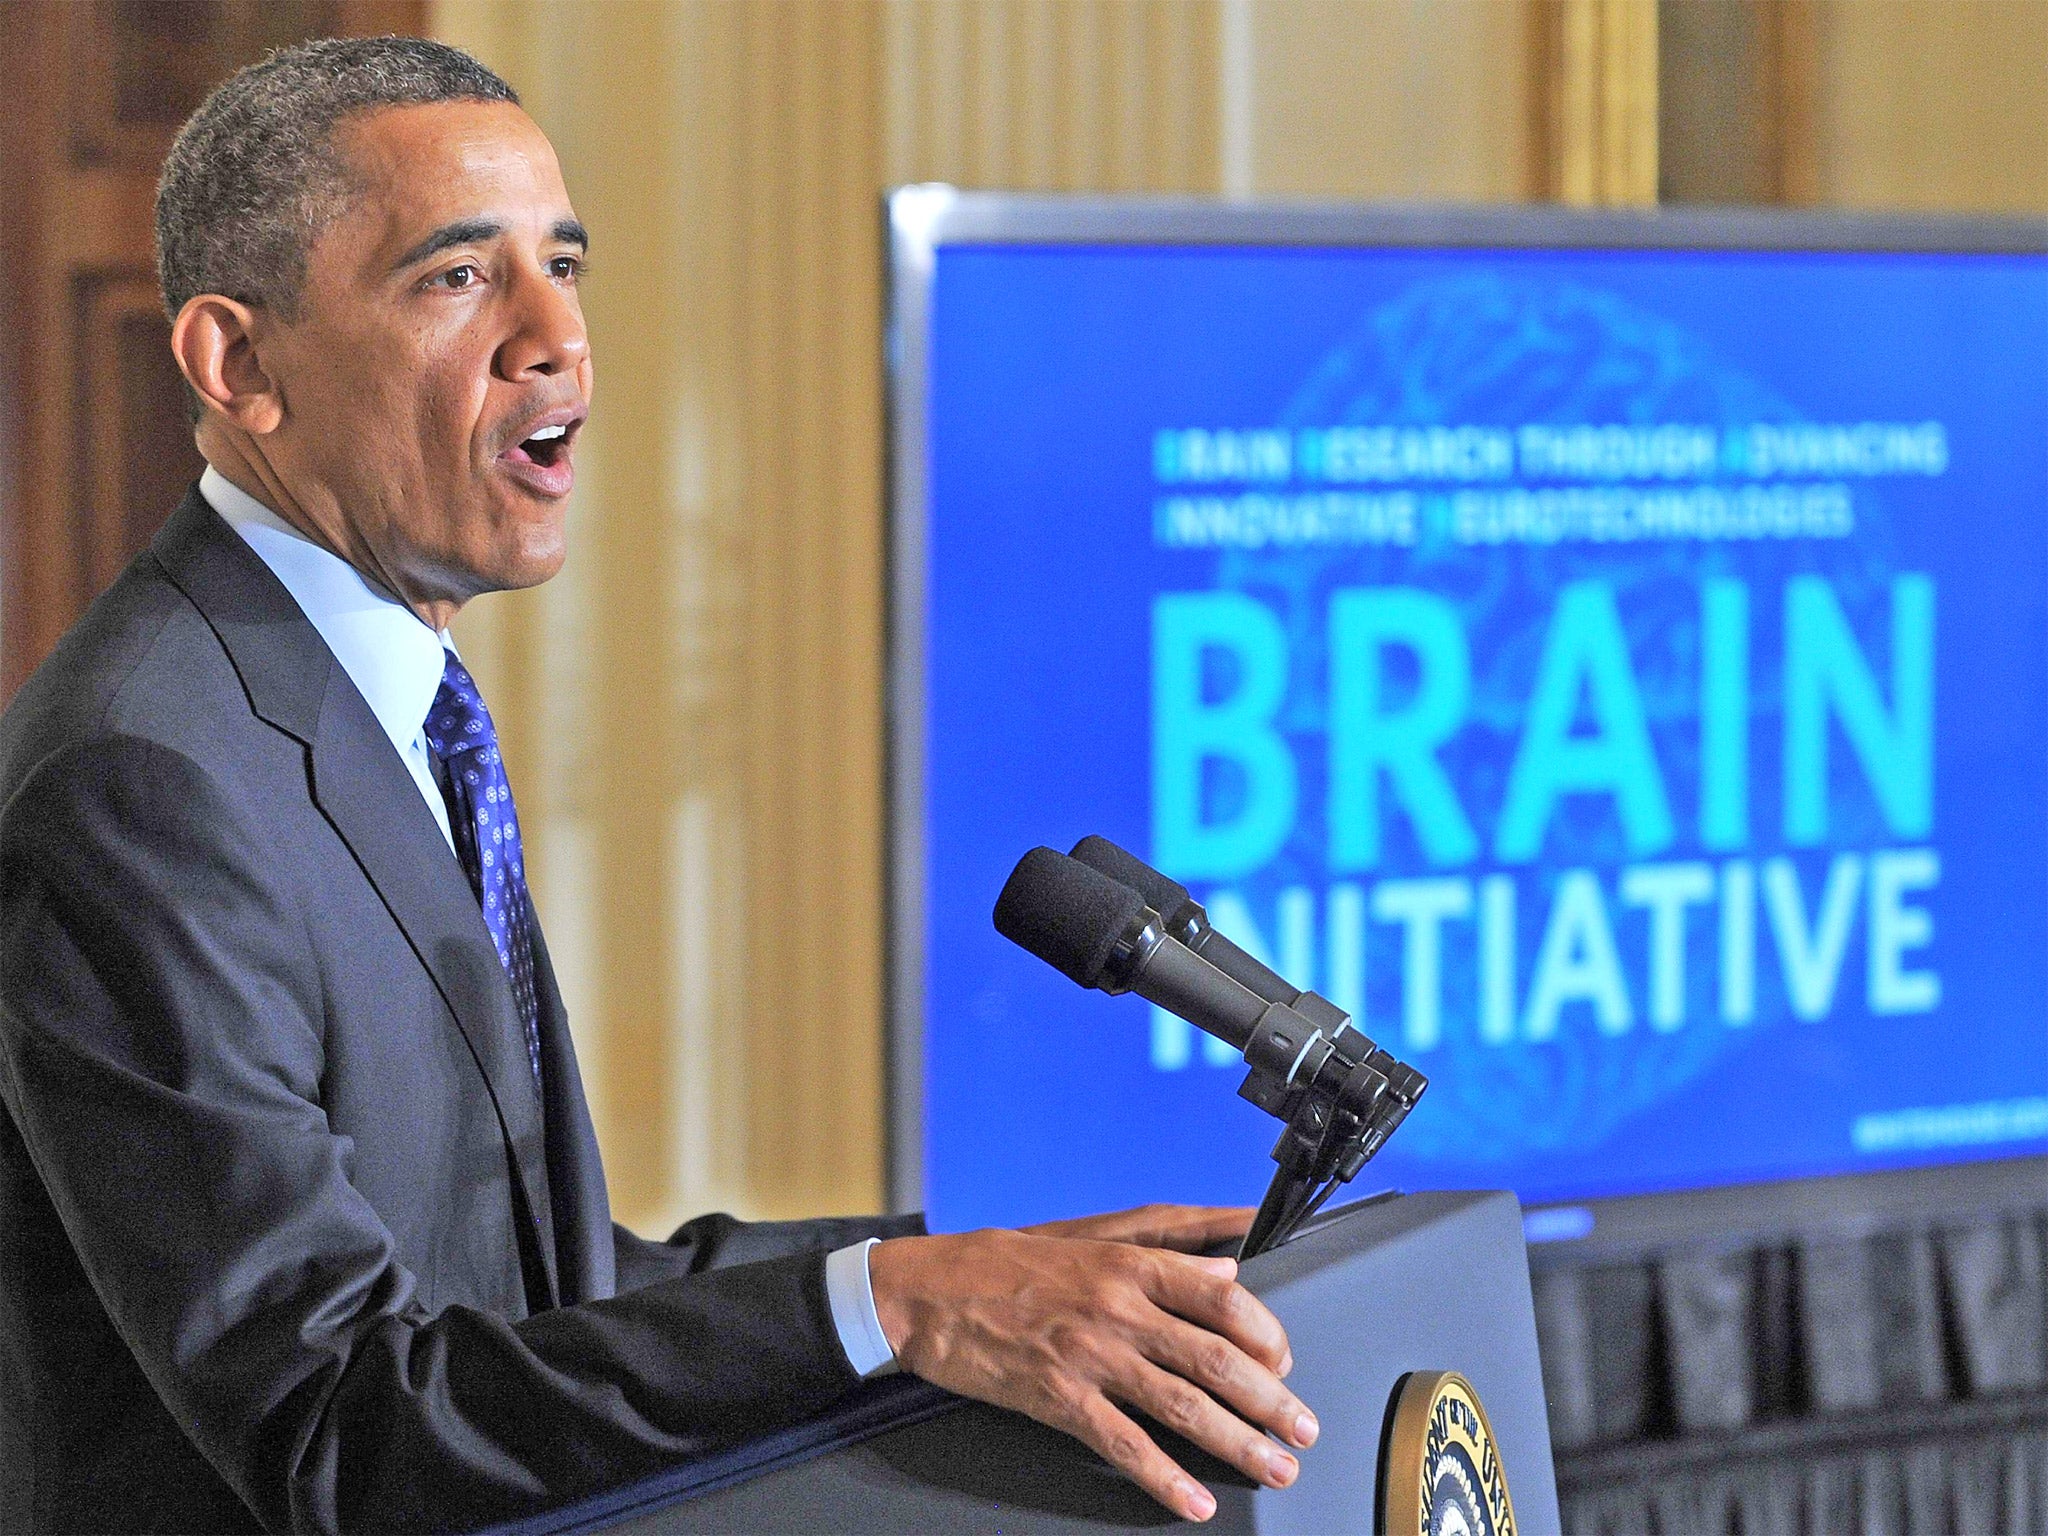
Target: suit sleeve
point(719, 1241)
point(161, 1051)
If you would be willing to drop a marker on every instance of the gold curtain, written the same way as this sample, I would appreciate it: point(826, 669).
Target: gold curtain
point(1054, 95)
point(1937, 105)
point(692, 710)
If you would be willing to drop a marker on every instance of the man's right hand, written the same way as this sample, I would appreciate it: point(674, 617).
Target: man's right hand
point(1066, 1330)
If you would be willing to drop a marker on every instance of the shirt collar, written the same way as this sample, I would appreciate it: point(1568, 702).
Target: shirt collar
point(388, 652)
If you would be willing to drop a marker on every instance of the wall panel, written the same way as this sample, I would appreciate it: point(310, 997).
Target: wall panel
point(94, 447)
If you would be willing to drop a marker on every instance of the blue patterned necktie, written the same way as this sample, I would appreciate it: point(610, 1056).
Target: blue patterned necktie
point(486, 832)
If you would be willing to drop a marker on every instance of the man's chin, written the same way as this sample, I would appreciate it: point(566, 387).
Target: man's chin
point(529, 567)
point(530, 547)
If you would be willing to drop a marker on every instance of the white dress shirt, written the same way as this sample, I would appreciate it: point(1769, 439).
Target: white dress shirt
point(396, 663)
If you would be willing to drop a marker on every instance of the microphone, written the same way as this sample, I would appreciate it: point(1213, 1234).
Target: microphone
point(1340, 1094)
point(1186, 920)
point(1101, 934)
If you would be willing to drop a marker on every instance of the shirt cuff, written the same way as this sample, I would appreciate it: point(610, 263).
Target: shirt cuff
point(852, 1295)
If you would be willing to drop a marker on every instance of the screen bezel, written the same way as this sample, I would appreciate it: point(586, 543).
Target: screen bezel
point(919, 220)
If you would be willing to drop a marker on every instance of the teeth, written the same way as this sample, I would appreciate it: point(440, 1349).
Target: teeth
point(547, 434)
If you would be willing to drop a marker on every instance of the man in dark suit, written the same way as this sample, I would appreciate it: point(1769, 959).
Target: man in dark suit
point(302, 1220)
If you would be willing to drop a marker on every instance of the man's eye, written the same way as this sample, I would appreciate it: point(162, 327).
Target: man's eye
point(567, 268)
point(465, 276)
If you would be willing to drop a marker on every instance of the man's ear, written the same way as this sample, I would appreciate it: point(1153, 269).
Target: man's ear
point(214, 340)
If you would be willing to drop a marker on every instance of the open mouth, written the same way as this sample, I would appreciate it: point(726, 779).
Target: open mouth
point(546, 448)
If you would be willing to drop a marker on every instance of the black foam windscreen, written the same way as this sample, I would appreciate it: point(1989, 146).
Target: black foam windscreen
point(1161, 894)
point(1067, 914)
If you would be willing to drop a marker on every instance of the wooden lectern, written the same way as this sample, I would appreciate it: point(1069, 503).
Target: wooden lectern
point(1368, 1294)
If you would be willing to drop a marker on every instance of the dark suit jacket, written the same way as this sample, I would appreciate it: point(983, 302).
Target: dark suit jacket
point(287, 1238)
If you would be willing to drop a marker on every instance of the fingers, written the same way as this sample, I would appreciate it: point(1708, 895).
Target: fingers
point(1218, 1371)
point(1191, 1228)
point(1112, 1435)
point(1187, 1228)
point(1195, 1416)
point(1202, 1292)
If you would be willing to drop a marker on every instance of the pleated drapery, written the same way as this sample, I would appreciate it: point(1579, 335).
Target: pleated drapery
point(1891, 1382)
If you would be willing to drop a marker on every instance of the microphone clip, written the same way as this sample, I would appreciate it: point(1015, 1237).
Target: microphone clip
point(1341, 1096)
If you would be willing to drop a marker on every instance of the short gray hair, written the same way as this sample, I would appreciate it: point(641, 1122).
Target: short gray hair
point(253, 176)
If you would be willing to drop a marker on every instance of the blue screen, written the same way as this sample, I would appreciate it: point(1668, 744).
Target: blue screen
point(1615, 678)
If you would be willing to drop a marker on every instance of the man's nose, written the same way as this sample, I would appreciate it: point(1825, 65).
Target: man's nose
point(547, 336)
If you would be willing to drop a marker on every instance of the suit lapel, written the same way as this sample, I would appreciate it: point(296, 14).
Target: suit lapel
point(372, 802)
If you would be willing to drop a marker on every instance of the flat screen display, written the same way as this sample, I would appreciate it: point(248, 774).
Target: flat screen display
point(1617, 677)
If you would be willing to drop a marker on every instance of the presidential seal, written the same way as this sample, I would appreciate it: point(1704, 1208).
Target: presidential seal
point(1440, 1474)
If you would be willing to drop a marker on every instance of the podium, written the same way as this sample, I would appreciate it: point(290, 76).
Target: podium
point(1368, 1294)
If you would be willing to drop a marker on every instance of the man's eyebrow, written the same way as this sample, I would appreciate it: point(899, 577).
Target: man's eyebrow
point(475, 232)
point(461, 232)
